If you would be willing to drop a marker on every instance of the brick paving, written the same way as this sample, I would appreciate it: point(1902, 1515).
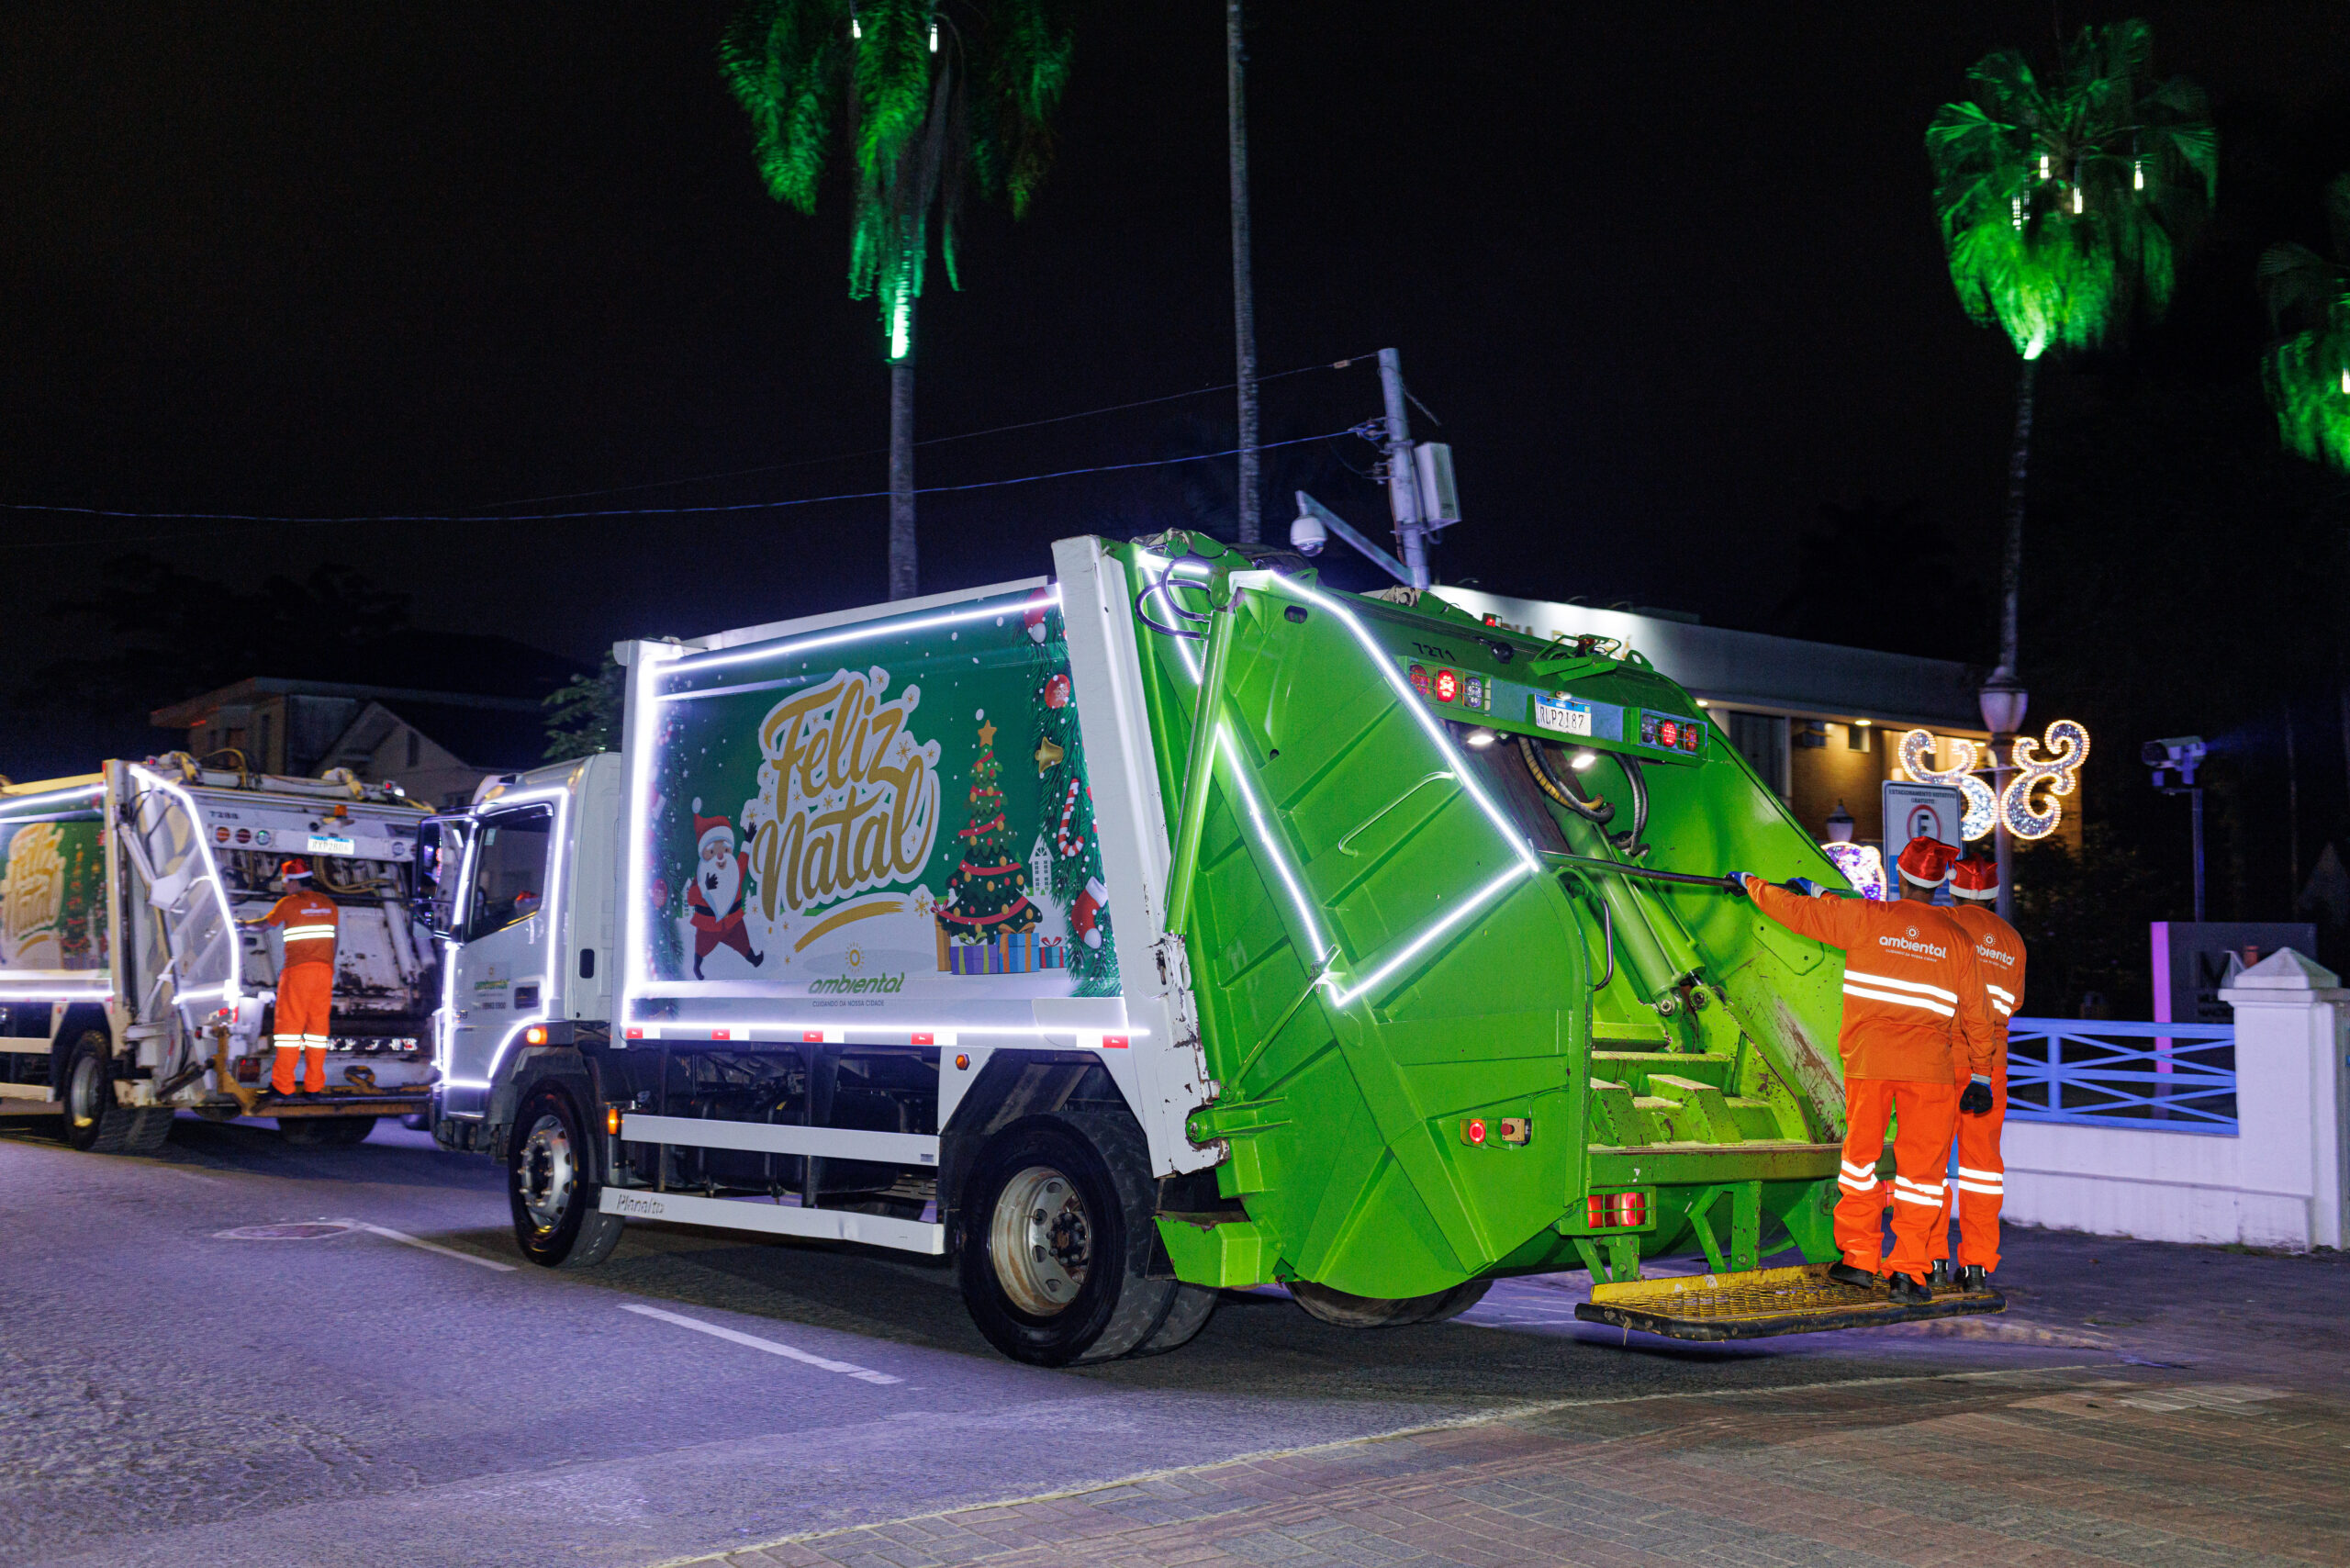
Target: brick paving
point(2061, 1469)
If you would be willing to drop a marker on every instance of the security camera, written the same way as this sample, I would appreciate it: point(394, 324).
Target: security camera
point(2179, 752)
point(1306, 535)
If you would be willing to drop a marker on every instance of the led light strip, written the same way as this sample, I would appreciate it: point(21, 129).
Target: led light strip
point(9, 804)
point(657, 662)
point(1527, 863)
point(553, 915)
point(867, 632)
point(231, 988)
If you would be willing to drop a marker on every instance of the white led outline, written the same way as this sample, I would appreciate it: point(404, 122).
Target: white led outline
point(233, 988)
point(61, 992)
point(8, 803)
point(1526, 862)
point(440, 1059)
point(882, 627)
point(680, 1031)
point(552, 913)
point(634, 984)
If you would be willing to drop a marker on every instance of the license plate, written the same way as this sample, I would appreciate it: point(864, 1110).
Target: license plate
point(1563, 714)
point(327, 843)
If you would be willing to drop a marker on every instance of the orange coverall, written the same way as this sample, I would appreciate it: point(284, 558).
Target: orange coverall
point(305, 987)
point(1981, 1184)
point(1914, 1004)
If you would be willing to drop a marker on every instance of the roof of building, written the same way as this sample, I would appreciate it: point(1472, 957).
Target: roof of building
point(498, 740)
point(198, 709)
point(1785, 675)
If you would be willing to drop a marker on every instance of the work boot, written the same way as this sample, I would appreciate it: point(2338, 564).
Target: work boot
point(1844, 1273)
point(1907, 1291)
point(1940, 1279)
point(1975, 1277)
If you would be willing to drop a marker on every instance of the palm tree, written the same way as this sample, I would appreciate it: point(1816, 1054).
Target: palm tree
point(2065, 206)
point(2308, 372)
point(926, 95)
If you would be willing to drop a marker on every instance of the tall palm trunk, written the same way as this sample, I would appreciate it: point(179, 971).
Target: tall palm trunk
point(2011, 546)
point(903, 576)
point(2010, 593)
point(1244, 296)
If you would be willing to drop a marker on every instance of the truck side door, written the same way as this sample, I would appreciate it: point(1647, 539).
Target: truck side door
point(501, 949)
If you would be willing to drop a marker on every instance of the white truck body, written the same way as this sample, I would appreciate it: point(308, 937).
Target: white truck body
point(600, 961)
point(119, 896)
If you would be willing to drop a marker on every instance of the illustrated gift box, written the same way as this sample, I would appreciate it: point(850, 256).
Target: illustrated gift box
point(1002, 955)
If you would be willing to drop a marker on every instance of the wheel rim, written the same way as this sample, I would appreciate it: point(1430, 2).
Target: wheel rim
point(546, 1171)
point(1041, 1241)
point(83, 1095)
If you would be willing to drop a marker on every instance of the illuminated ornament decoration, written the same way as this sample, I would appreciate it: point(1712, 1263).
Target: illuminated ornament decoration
point(1981, 805)
point(2058, 767)
point(1863, 866)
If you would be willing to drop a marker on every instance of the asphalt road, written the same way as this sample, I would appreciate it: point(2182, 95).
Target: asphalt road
point(415, 1392)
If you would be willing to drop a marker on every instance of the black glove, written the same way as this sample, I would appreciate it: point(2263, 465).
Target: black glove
point(1804, 886)
point(1976, 1101)
point(1736, 883)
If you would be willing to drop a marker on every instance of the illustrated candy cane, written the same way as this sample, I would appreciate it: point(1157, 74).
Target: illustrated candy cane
point(2057, 766)
point(1982, 806)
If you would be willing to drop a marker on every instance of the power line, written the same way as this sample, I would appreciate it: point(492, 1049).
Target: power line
point(252, 519)
point(937, 440)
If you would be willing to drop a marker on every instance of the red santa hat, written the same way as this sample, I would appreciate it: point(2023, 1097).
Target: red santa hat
point(704, 826)
point(1976, 877)
point(1926, 861)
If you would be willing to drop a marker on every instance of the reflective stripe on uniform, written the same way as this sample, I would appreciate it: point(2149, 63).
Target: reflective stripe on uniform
point(304, 933)
point(1986, 1189)
point(1891, 984)
point(287, 1041)
point(1968, 1171)
point(1933, 1201)
point(1931, 1007)
point(2002, 1008)
point(1865, 1182)
point(2002, 993)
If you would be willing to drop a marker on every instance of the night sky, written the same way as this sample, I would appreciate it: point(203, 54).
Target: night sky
point(1668, 276)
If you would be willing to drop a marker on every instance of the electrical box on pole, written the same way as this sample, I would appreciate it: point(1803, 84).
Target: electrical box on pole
point(1440, 497)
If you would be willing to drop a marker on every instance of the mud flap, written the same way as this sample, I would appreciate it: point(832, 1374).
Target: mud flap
point(1762, 1303)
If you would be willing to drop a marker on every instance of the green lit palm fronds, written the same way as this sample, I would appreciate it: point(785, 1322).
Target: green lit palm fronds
point(920, 94)
point(2064, 204)
point(2308, 372)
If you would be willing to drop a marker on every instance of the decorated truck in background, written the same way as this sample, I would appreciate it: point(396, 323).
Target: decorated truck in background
point(127, 992)
point(1172, 924)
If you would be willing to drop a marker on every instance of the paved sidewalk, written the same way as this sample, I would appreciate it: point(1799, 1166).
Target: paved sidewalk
point(2201, 1420)
point(2048, 1469)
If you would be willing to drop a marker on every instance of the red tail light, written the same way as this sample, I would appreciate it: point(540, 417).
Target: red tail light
point(1609, 1211)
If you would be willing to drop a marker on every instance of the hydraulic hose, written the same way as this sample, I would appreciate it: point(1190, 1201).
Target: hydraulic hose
point(1564, 791)
point(1639, 783)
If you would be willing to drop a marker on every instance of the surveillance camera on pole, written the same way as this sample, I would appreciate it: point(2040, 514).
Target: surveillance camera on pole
point(1306, 535)
point(1421, 491)
point(2180, 754)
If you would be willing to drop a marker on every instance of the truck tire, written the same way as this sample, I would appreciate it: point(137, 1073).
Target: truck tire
point(92, 1122)
point(329, 1132)
point(1341, 1310)
point(1056, 1241)
point(151, 1128)
point(1194, 1305)
point(555, 1219)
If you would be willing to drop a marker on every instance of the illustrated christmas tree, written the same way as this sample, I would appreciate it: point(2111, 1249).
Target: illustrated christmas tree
point(1066, 807)
point(987, 895)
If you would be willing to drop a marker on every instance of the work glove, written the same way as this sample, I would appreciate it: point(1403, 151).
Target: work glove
point(1736, 883)
point(1976, 1101)
point(1804, 886)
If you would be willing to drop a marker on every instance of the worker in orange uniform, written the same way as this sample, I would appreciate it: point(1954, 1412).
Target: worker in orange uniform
point(1913, 998)
point(304, 981)
point(1980, 1185)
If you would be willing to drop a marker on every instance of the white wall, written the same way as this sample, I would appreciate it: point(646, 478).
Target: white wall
point(2278, 1183)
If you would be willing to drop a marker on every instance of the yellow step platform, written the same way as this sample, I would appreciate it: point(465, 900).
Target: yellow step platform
point(1762, 1302)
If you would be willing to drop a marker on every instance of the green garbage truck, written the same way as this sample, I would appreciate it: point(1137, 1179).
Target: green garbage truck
point(1170, 925)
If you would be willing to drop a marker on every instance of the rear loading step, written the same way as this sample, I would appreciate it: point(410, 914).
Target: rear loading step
point(1762, 1302)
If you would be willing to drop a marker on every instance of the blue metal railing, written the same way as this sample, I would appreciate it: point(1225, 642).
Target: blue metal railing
point(2170, 1078)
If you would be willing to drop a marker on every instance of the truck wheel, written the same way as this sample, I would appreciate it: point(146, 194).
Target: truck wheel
point(306, 1132)
point(92, 1120)
point(1055, 1236)
point(1194, 1305)
point(555, 1218)
point(348, 1132)
point(1341, 1310)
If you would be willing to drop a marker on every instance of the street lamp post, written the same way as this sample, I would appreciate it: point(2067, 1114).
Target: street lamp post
point(2003, 702)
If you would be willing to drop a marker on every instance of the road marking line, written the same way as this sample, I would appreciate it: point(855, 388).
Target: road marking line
point(401, 1235)
point(773, 1348)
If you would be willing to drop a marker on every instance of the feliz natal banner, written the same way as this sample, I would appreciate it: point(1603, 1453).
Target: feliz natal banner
point(903, 818)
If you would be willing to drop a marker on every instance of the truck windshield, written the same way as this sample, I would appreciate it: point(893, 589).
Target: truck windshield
point(509, 870)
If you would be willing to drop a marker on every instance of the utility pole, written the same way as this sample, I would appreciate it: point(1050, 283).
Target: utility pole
point(1243, 297)
point(1402, 471)
point(903, 573)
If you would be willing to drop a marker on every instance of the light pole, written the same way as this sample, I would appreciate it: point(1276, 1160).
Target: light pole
point(1244, 289)
point(2003, 702)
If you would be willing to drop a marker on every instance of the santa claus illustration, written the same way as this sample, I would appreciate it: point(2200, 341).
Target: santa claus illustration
point(716, 893)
